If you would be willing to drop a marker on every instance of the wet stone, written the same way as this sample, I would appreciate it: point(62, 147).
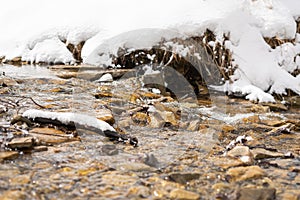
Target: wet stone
point(134, 167)
point(241, 152)
point(183, 195)
point(276, 106)
point(259, 153)
point(6, 155)
point(183, 178)
point(257, 194)
point(193, 125)
point(20, 143)
point(246, 173)
point(20, 180)
point(13, 195)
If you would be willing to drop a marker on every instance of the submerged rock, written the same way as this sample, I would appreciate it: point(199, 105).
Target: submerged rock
point(181, 194)
point(183, 178)
point(257, 194)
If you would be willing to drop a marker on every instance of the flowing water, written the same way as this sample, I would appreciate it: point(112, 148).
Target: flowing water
point(182, 144)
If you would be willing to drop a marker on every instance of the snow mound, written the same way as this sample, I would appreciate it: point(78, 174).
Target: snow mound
point(68, 117)
point(44, 52)
point(261, 71)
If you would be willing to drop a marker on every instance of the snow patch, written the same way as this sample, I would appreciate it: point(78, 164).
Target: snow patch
point(68, 117)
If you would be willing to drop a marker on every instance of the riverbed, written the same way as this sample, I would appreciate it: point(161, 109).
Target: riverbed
point(189, 148)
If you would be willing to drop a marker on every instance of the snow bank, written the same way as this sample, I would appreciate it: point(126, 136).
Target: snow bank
point(42, 34)
point(68, 117)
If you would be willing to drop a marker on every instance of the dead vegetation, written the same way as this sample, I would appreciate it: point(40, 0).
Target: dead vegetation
point(202, 60)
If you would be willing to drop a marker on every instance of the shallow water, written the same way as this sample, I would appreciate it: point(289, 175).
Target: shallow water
point(95, 167)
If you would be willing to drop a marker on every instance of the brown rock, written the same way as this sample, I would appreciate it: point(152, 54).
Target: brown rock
point(183, 194)
point(7, 82)
point(246, 173)
point(169, 117)
point(7, 155)
point(156, 121)
point(276, 106)
point(19, 143)
point(49, 136)
point(20, 180)
point(105, 115)
point(260, 153)
point(257, 194)
point(227, 162)
point(241, 152)
point(252, 119)
point(138, 191)
point(259, 108)
point(228, 128)
point(141, 118)
point(194, 125)
point(13, 195)
point(183, 178)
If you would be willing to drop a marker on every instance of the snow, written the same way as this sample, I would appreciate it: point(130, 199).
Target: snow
point(67, 117)
point(42, 32)
point(106, 78)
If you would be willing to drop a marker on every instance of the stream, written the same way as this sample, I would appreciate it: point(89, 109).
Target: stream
point(217, 148)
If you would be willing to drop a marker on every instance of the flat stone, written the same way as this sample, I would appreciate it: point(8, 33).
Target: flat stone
point(141, 118)
point(20, 179)
point(169, 117)
point(183, 178)
point(251, 119)
point(276, 106)
point(246, 173)
point(13, 195)
point(134, 167)
point(238, 151)
point(156, 121)
point(286, 128)
point(49, 136)
point(19, 143)
point(228, 128)
point(193, 125)
point(138, 191)
point(183, 194)
point(257, 194)
point(241, 152)
point(260, 153)
point(259, 108)
point(118, 180)
point(7, 82)
point(228, 162)
point(7, 155)
point(105, 115)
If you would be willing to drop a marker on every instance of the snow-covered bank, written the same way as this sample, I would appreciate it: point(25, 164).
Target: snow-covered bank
point(106, 26)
